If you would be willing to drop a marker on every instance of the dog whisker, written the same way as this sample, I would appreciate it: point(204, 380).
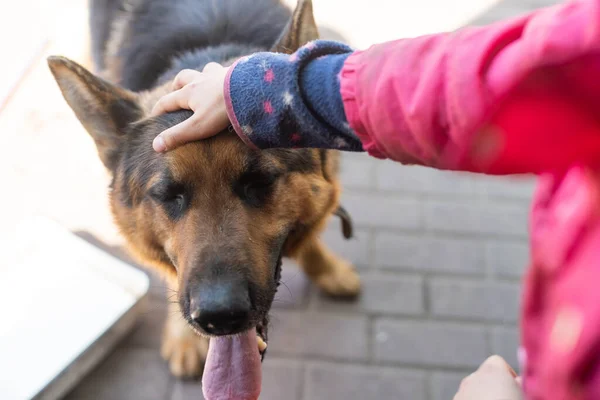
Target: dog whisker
point(288, 289)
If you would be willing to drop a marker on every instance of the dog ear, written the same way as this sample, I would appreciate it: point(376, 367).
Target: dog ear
point(347, 226)
point(301, 29)
point(103, 109)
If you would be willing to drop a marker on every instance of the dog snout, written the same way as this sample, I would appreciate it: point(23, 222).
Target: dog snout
point(221, 308)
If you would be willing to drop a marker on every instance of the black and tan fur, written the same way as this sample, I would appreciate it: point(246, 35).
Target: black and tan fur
point(212, 209)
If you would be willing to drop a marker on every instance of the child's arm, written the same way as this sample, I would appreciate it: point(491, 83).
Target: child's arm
point(505, 98)
point(518, 96)
point(514, 97)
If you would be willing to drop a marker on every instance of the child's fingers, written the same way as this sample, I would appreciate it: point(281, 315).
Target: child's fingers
point(184, 77)
point(212, 66)
point(172, 102)
point(194, 128)
point(176, 135)
point(497, 363)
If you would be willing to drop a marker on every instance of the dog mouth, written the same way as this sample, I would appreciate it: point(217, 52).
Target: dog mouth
point(261, 326)
point(233, 364)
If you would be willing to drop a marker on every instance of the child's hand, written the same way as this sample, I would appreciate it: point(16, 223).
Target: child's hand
point(494, 380)
point(201, 92)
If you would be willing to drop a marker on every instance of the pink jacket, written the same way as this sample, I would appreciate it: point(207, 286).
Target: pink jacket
point(521, 96)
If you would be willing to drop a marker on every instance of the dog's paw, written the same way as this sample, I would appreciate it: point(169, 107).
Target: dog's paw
point(340, 281)
point(185, 352)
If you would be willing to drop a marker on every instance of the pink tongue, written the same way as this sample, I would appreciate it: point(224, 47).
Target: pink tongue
point(232, 370)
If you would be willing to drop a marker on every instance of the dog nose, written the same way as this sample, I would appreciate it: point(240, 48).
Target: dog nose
point(221, 308)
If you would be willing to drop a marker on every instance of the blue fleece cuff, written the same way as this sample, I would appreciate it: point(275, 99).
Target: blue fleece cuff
point(320, 87)
point(276, 100)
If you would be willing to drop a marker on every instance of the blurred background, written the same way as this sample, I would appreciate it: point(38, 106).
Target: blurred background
point(441, 255)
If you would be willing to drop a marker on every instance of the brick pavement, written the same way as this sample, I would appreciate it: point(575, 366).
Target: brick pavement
point(441, 256)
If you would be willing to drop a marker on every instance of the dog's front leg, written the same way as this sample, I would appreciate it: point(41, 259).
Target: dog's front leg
point(182, 348)
point(332, 274)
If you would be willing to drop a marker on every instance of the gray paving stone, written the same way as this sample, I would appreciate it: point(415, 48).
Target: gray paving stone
point(127, 374)
point(505, 342)
point(385, 211)
point(389, 295)
point(511, 8)
point(542, 3)
point(444, 385)
point(282, 379)
point(414, 179)
point(356, 250)
point(503, 10)
point(426, 343)
point(294, 289)
point(519, 188)
point(344, 382)
point(493, 218)
point(149, 328)
point(356, 156)
point(419, 253)
point(318, 335)
point(187, 390)
point(492, 301)
point(357, 172)
point(507, 259)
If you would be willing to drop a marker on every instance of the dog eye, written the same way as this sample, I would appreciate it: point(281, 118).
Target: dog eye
point(255, 189)
point(173, 198)
point(256, 192)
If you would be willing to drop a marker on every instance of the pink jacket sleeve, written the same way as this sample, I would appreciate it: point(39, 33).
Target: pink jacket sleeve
point(424, 100)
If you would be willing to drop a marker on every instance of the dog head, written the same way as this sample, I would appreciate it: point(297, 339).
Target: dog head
point(215, 215)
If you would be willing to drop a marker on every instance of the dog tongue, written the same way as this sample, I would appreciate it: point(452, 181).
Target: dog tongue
point(232, 370)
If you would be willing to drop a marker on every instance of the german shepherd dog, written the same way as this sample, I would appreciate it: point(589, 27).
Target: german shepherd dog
point(214, 216)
